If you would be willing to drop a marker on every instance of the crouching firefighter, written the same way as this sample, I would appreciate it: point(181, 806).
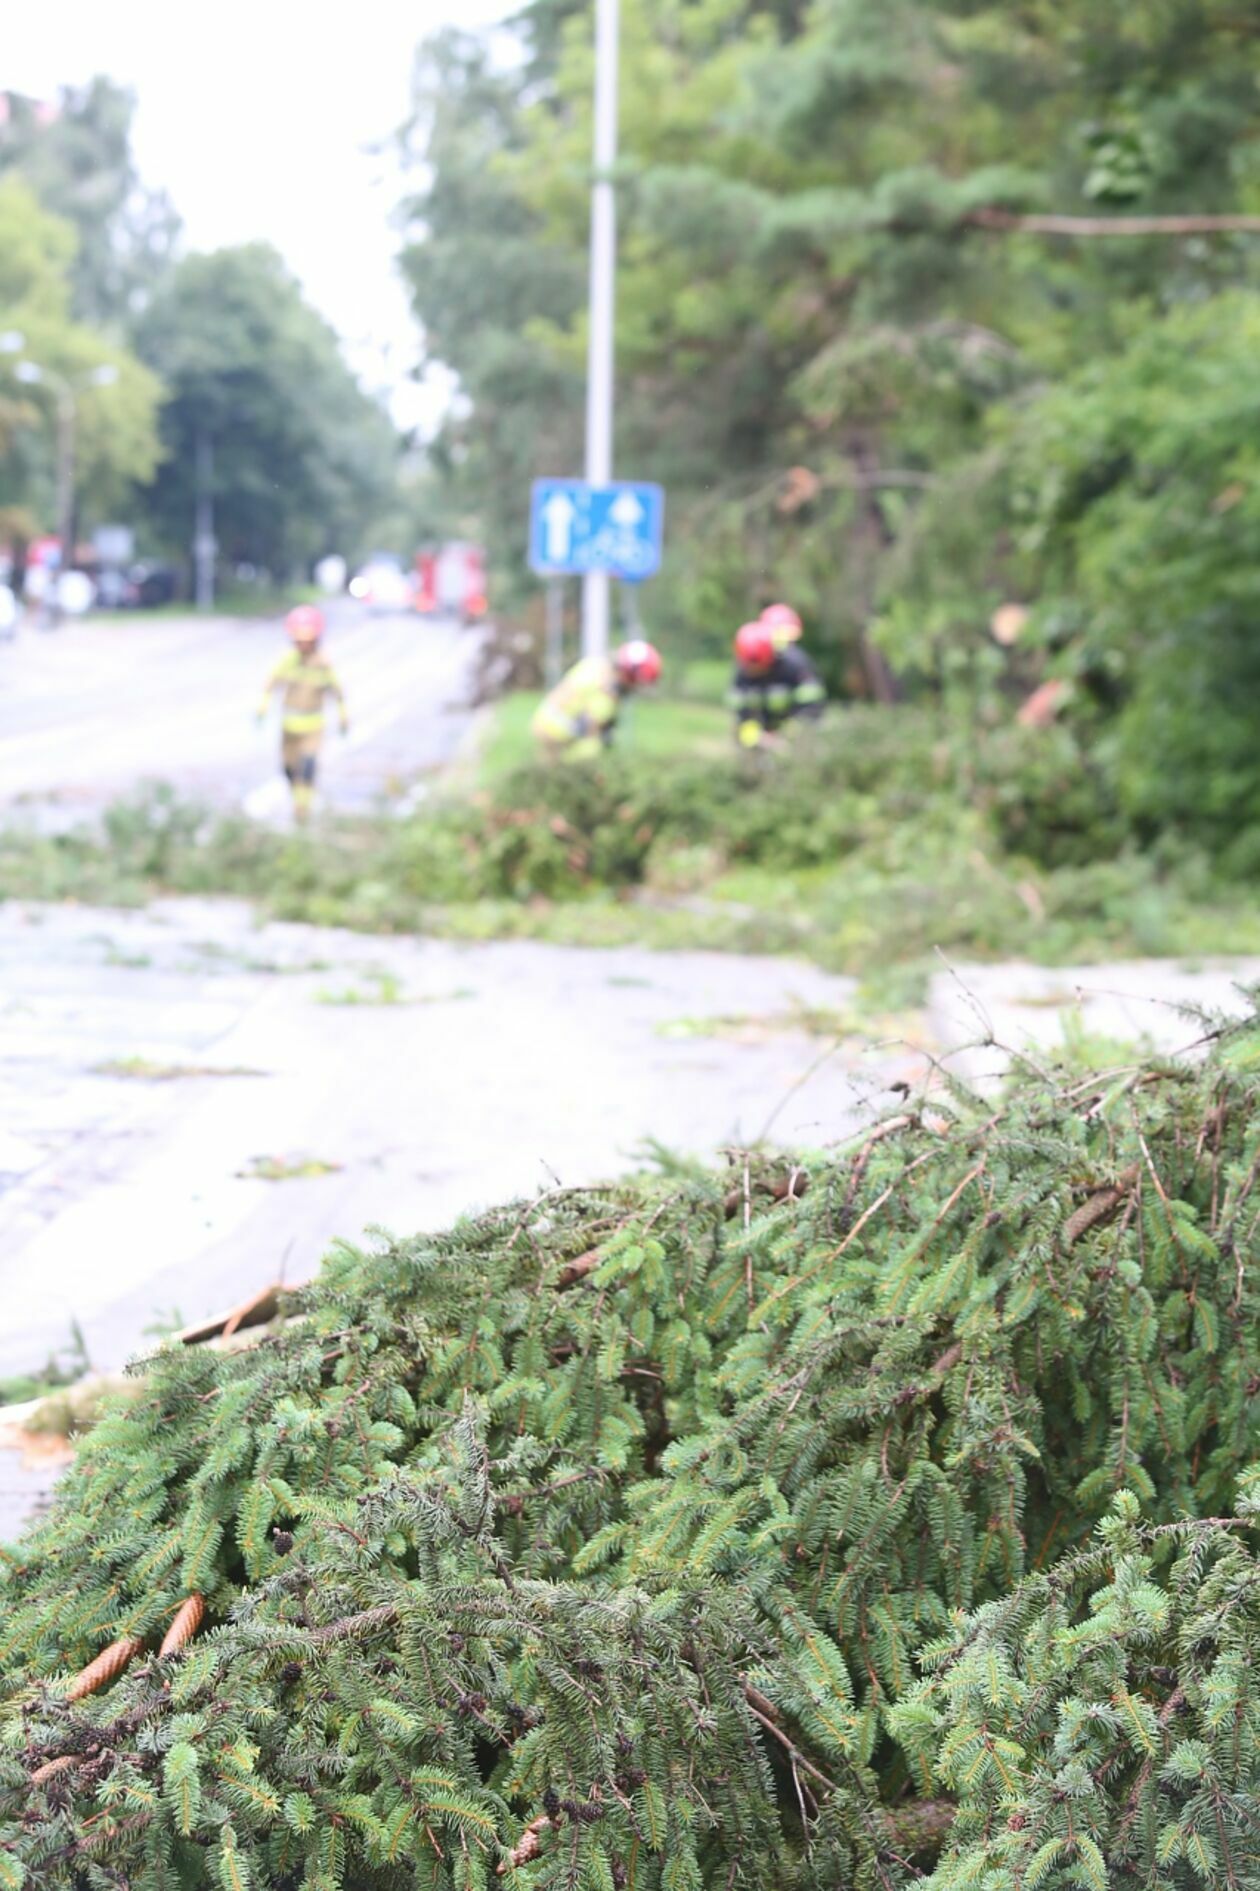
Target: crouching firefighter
point(774, 684)
point(305, 677)
point(575, 721)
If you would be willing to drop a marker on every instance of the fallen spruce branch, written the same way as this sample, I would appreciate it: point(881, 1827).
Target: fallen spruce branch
point(550, 1533)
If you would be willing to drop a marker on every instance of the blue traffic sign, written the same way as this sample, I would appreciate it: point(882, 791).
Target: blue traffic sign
point(575, 528)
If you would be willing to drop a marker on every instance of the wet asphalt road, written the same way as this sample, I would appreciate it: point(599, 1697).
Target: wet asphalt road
point(90, 711)
point(430, 1076)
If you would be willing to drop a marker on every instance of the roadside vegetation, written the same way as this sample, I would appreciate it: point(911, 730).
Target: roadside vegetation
point(869, 846)
point(882, 1516)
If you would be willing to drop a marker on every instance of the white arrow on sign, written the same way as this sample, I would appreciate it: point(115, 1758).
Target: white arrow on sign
point(558, 516)
point(626, 511)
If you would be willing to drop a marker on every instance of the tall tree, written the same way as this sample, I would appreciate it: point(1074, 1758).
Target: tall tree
point(486, 282)
point(849, 236)
point(75, 153)
point(117, 442)
point(302, 459)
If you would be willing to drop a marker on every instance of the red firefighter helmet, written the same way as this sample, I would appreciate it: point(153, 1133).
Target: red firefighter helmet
point(783, 623)
point(305, 623)
point(754, 646)
point(637, 661)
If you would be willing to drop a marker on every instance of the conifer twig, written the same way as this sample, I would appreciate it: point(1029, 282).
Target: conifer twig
point(889, 1127)
point(352, 1625)
point(752, 1697)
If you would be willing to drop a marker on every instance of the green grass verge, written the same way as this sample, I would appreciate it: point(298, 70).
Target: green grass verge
point(692, 721)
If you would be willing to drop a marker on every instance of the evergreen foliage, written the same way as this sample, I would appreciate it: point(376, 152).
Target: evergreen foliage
point(709, 1529)
point(870, 844)
point(864, 389)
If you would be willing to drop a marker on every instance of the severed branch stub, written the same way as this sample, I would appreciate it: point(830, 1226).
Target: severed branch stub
point(578, 1269)
point(1100, 1206)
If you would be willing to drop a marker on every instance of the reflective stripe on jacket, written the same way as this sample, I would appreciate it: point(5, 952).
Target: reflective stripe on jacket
point(789, 687)
point(306, 679)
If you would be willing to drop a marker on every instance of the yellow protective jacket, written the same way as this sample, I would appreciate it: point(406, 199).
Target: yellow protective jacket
point(578, 715)
point(306, 677)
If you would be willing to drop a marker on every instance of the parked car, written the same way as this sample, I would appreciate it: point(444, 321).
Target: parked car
point(148, 586)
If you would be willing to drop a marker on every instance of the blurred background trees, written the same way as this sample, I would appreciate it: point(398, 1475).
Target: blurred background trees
point(260, 401)
point(866, 382)
point(117, 442)
point(217, 354)
point(871, 376)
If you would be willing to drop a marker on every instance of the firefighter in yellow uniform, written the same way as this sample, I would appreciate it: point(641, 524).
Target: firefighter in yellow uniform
point(574, 722)
point(306, 677)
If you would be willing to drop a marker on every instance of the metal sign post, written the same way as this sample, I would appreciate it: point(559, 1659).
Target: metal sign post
point(599, 359)
point(204, 546)
point(553, 650)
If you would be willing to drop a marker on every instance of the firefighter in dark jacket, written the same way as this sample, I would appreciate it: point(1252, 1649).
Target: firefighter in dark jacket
point(772, 686)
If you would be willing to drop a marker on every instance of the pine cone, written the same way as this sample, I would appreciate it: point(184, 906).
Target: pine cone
point(184, 1627)
point(51, 1768)
point(109, 1664)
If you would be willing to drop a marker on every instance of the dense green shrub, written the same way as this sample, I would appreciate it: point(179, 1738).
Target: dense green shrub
point(703, 1530)
point(870, 843)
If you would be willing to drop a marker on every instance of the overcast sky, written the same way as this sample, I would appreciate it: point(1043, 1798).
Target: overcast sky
point(258, 117)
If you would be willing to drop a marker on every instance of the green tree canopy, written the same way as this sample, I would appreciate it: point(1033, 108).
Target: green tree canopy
point(117, 442)
point(837, 279)
point(302, 458)
point(75, 153)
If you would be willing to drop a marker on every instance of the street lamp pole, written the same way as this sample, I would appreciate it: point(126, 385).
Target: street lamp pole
point(603, 265)
point(66, 417)
point(204, 544)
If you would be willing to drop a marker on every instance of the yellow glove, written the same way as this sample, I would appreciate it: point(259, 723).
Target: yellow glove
point(749, 735)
